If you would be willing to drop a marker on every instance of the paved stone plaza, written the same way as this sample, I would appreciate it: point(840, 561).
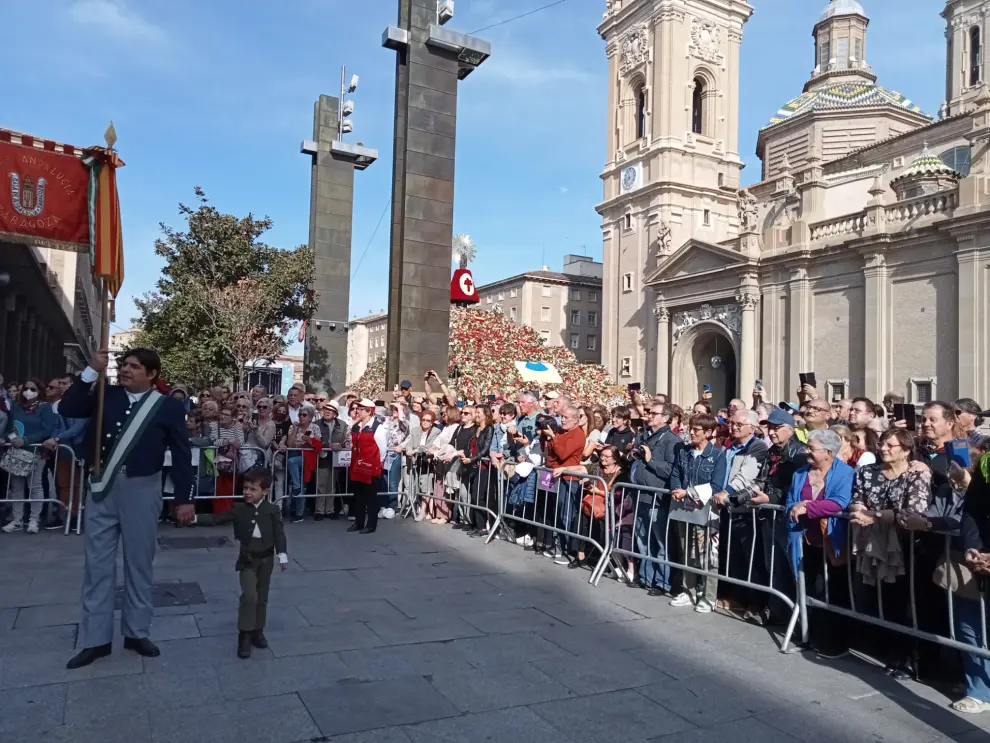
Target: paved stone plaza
point(420, 634)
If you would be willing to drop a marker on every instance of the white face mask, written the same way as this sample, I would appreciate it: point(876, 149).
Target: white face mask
point(29, 394)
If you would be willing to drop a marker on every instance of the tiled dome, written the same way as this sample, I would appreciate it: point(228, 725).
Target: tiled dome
point(926, 165)
point(842, 7)
point(842, 95)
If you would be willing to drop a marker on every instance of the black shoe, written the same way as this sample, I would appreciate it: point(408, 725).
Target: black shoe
point(656, 592)
point(333, 516)
point(258, 639)
point(142, 646)
point(56, 524)
point(244, 645)
point(354, 527)
point(367, 530)
point(575, 564)
point(297, 519)
point(318, 517)
point(87, 655)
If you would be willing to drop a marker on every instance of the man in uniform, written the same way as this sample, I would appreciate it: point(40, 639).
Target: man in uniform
point(139, 424)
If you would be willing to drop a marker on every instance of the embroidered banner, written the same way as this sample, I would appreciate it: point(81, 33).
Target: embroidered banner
point(43, 198)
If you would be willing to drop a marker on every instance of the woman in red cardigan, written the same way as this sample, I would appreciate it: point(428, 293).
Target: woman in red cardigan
point(303, 444)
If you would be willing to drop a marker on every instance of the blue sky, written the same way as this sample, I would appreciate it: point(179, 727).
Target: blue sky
point(220, 94)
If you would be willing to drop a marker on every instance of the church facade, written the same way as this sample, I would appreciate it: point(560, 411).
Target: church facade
point(861, 255)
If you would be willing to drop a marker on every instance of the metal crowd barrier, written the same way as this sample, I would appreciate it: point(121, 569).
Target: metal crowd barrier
point(649, 538)
point(857, 589)
point(428, 481)
point(38, 470)
point(556, 514)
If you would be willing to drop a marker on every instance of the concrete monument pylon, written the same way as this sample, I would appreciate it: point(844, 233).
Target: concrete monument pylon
point(430, 60)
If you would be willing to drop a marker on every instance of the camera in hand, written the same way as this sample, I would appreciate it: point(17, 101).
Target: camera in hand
point(546, 422)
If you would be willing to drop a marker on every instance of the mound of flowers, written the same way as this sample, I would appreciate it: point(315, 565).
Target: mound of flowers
point(484, 349)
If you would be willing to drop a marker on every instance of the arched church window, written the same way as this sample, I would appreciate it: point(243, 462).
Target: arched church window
point(698, 106)
point(975, 55)
point(641, 112)
point(958, 158)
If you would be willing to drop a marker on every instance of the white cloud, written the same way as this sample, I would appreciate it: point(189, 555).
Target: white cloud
point(564, 189)
point(115, 19)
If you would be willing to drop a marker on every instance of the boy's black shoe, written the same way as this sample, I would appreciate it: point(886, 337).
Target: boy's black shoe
point(354, 527)
point(258, 639)
point(244, 644)
point(318, 517)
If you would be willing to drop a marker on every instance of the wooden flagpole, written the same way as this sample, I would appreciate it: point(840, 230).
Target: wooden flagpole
point(107, 303)
point(101, 382)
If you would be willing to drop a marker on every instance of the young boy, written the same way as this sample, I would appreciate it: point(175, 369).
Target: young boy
point(258, 528)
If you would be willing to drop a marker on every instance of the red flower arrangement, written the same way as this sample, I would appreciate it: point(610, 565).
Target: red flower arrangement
point(484, 347)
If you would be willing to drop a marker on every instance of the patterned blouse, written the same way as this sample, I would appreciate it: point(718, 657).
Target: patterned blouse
point(911, 491)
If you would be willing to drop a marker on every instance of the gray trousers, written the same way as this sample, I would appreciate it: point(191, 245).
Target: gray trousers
point(128, 514)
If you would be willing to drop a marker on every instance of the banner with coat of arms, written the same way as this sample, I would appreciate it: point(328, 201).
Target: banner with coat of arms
point(43, 197)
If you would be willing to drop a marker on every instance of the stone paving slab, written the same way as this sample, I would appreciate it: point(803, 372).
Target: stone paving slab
point(419, 634)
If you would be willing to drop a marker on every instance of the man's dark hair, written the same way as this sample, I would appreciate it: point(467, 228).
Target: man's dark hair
point(870, 405)
point(666, 408)
point(702, 421)
point(148, 358)
point(507, 408)
point(259, 476)
point(948, 412)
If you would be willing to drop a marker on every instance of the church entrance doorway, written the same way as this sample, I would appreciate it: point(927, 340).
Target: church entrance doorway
point(706, 354)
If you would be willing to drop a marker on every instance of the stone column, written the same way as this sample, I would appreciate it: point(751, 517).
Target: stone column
point(972, 323)
point(662, 314)
point(430, 60)
point(748, 300)
point(798, 329)
point(875, 325)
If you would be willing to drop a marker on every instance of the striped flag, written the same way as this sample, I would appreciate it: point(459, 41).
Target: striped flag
point(106, 238)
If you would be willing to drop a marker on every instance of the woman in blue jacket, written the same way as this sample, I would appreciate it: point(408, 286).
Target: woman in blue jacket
point(32, 422)
point(819, 493)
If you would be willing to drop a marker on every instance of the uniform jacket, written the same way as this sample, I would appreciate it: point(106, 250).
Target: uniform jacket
point(167, 430)
point(244, 516)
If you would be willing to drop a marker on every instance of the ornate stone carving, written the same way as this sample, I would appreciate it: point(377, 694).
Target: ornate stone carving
point(727, 316)
point(660, 311)
point(748, 211)
point(635, 46)
point(705, 42)
point(747, 299)
point(663, 238)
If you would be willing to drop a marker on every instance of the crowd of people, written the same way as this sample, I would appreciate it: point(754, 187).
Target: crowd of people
point(841, 489)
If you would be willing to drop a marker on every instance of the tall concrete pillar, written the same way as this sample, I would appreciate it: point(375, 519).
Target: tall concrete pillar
point(430, 60)
point(331, 206)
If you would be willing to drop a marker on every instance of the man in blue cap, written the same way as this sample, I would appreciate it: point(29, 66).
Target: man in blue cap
point(785, 455)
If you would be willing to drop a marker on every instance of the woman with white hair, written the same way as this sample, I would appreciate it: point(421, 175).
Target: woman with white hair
point(819, 493)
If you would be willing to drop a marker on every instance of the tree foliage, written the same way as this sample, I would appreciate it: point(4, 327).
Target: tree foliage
point(224, 296)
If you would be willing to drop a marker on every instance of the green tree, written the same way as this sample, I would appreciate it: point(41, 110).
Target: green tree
point(224, 296)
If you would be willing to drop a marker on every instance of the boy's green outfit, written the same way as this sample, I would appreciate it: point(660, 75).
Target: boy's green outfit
point(258, 529)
